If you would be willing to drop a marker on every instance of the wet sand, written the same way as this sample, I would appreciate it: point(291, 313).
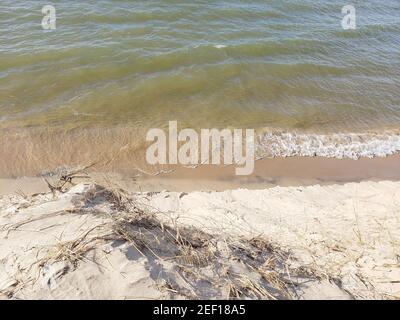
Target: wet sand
point(292, 171)
point(296, 171)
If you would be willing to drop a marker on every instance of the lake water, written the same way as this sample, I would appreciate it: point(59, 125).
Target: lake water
point(113, 69)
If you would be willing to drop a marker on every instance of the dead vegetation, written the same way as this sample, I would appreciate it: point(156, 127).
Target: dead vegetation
point(65, 177)
point(192, 264)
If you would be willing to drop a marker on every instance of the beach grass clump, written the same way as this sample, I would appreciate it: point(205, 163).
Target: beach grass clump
point(192, 263)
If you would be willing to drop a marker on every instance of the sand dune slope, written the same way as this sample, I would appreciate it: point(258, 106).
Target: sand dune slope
point(91, 242)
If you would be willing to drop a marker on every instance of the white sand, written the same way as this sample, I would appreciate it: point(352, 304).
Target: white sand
point(348, 234)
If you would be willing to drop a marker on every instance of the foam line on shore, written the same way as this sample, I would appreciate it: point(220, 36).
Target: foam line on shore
point(338, 145)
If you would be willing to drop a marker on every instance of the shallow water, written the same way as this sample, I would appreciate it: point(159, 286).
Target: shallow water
point(270, 65)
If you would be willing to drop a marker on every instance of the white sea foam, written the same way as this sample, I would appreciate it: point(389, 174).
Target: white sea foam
point(340, 145)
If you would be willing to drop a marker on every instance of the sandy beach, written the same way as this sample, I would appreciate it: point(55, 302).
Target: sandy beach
point(90, 239)
point(194, 150)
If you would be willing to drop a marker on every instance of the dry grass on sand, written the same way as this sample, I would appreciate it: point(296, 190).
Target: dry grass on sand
point(97, 241)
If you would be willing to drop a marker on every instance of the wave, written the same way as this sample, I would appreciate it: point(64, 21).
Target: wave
point(30, 152)
point(339, 145)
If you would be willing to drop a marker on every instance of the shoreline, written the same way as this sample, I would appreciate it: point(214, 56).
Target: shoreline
point(38, 151)
point(269, 172)
point(285, 172)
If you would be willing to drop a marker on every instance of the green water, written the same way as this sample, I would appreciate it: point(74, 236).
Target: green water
point(273, 65)
point(286, 64)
